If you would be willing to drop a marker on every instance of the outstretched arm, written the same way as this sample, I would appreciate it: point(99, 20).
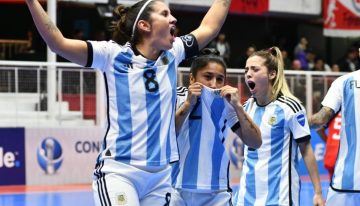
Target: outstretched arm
point(212, 22)
point(321, 118)
point(71, 49)
point(310, 162)
point(248, 131)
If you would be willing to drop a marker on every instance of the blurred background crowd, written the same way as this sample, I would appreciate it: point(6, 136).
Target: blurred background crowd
point(300, 36)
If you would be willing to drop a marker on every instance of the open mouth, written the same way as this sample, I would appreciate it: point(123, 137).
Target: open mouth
point(172, 30)
point(251, 85)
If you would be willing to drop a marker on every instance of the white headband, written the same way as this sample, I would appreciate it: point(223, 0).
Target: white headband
point(138, 16)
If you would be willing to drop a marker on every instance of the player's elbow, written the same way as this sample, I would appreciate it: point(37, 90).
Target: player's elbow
point(257, 143)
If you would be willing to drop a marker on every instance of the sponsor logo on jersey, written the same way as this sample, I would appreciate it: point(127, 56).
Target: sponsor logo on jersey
point(188, 40)
point(354, 84)
point(301, 119)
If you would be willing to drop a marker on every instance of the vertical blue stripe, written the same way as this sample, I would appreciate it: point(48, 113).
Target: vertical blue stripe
point(123, 141)
point(172, 77)
point(175, 170)
point(247, 105)
point(235, 196)
point(153, 109)
point(252, 158)
point(192, 159)
point(216, 110)
point(350, 130)
point(275, 161)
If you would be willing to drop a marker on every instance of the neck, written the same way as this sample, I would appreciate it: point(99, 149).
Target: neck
point(265, 99)
point(147, 51)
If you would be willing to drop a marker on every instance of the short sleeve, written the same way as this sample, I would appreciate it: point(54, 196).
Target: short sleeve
point(231, 117)
point(334, 96)
point(181, 95)
point(190, 45)
point(185, 47)
point(299, 126)
point(99, 54)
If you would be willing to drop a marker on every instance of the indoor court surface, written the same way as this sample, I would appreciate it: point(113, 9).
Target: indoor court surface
point(81, 195)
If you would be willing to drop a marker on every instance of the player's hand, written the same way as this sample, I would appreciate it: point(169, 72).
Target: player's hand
point(194, 91)
point(318, 200)
point(231, 94)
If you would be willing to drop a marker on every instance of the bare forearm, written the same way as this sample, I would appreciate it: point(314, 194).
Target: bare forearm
point(249, 132)
point(47, 29)
point(216, 15)
point(71, 49)
point(310, 162)
point(212, 22)
point(321, 118)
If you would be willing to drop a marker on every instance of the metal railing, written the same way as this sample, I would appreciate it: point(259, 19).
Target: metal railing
point(80, 94)
point(308, 86)
point(12, 47)
point(24, 86)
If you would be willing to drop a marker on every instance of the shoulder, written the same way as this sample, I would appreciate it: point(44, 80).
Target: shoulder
point(290, 103)
point(106, 43)
point(249, 103)
point(347, 77)
point(188, 40)
point(108, 47)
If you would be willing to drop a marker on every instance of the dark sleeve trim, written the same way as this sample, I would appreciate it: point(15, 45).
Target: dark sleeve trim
point(235, 127)
point(90, 55)
point(303, 139)
point(343, 190)
point(191, 45)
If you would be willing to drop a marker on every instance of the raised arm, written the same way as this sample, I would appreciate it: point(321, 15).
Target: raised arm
point(71, 49)
point(212, 22)
point(321, 118)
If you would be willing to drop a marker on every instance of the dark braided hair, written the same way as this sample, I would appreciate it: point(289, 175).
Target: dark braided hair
point(206, 56)
point(124, 19)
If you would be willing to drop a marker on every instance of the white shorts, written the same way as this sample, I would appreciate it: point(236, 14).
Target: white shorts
point(127, 185)
point(335, 198)
point(183, 198)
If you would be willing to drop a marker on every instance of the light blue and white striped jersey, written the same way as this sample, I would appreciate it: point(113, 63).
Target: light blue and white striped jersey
point(204, 163)
point(344, 93)
point(270, 175)
point(141, 98)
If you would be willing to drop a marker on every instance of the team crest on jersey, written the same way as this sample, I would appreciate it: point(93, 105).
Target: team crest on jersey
point(121, 199)
point(272, 120)
point(217, 92)
point(301, 119)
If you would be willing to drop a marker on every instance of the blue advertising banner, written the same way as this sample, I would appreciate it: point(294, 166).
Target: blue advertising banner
point(12, 156)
